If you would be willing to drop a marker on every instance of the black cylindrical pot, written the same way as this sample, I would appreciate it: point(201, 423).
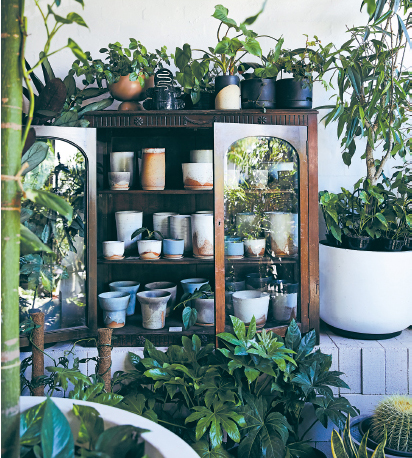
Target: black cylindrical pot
point(258, 93)
point(228, 99)
point(391, 244)
point(358, 242)
point(332, 241)
point(290, 93)
point(163, 98)
point(225, 80)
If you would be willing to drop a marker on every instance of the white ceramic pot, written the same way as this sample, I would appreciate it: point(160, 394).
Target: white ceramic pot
point(123, 161)
point(245, 223)
point(255, 248)
point(126, 223)
point(205, 308)
point(168, 286)
point(202, 235)
point(114, 305)
point(161, 224)
point(149, 249)
point(247, 304)
point(119, 181)
point(198, 176)
point(113, 250)
point(153, 170)
point(284, 303)
point(259, 179)
point(153, 305)
point(181, 228)
point(201, 155)
point(205, 212)
point(228, 98)
point(365, 292)
point(283, 229)
point(160, 442)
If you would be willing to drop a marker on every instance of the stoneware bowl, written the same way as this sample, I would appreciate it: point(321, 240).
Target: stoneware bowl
point(119, 181)
point(173, 248)
point(198, 176)
point(247, 304)
point(114, 305)
point(153, 304)
point(113, 250)
point(167, 286)
point(130, 287)
point(149, 249)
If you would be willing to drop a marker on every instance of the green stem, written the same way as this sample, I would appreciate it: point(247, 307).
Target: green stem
point(172, 424)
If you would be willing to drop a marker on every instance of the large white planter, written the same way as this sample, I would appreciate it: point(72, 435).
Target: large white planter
point(161, 224)
point(123, 161)
point(202, 235)
point(366, 292)
point(283, 232)
point(160, 442)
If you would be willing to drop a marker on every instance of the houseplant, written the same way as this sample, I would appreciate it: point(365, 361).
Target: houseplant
point(371, 105)
point(149, 247)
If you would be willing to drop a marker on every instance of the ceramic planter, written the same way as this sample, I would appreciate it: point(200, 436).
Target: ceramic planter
point(291, 93)
point(149, 249)
point(126, 223)
point(284, 303)
point(247, 304)
point(123, 161)
point(245, 223)
point(230, 288)
point(152, 175)
point(201, 155)
point(259, 179)
point(258, 282)
point(365, 294)
point(181, 228)
point(283, 232)
point(198, 176)
point(167, 286)
point(228, 239)
point(202, 235)
point(205, 308)
point(254, 248)
point(125, 89)
point(119, 181)
point(161, 224)
point(227, 92)
point(258, 93)
point(190, 285)
point(130, 287)
point(114, 305)
point(113, 250)
point(173, 249)
point(153, 304)
point(235, 249)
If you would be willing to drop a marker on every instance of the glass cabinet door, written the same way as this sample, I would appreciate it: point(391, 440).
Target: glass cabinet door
point(262, 170)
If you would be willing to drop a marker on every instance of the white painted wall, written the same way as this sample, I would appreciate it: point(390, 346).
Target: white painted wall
point(163, 22)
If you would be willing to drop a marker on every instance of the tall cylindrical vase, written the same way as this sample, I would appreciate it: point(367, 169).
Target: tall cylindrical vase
point(283, 229)
point(123, 161)
point(202, 235)
point(161, 224)
point(153, 169)
point(227, 90)
point(181, 228)
point(126, 223)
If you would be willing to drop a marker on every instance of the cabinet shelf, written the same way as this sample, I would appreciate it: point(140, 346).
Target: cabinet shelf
point(169, 262)
point(264, 260)
point(165, 191)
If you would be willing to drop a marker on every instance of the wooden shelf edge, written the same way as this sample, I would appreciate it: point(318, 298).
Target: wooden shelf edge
point(165, 191)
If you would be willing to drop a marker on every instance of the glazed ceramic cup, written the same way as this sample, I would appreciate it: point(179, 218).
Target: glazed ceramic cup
point(113, 250)
point(202, 235)
point(198, 176)
point(119, 181)
point(173, 249)
point(168, 286)
point(126, 223)
point(123, 161)
point(205, 308)
point(153, 170)
point(161, 224)
point(255, 248)
point(153, 304)
point(201, 155)
point(247, 304)
point(283, 231)
point(181, 228)
point(114, 305)
point(130, 287)
point(149, 249)
point(235, 249)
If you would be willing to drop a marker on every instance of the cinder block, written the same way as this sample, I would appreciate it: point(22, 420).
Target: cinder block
point(373, 370)
point(328, 347)
point(396, 362)
point(350, 365)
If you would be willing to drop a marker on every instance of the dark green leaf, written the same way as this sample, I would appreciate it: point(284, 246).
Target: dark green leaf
point(70, 84)
point(119, 441)
point(96, 106)
point(30, 425)
point(189, 317)
point(203, 449)
point(51, 201)
point(30, 243)
point(91, 424)
point(34, 156)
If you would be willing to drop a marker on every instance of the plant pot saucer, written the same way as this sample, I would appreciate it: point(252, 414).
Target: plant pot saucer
point(205, 324)
point(153, 188)
point(168, 256)
point(113, 258)
point(203, 257)
point(199, 188)
point(234, 257)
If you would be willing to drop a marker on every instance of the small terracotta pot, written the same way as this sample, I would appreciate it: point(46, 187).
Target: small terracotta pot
point(149, 249)
point(126, 90)
point(153, 171)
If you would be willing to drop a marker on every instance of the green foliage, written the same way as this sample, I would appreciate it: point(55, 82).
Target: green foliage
point(189, 314)
point(150, 234)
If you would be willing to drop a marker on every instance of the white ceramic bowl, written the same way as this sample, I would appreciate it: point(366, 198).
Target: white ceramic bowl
point(248, 303)
point(198, 176)
point(113, 250)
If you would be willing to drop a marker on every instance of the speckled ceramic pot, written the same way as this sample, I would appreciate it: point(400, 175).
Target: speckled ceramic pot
point(130, 287)
point(202, 235)
point(247, 304)
point(168, 286)
point(198, 176)
point(255, 248)
point(161, 224)
point(153, 163)
point(149, 249)
point(201, 155)
point(114, 305)
point(123, 161)
point(283, 231)
point(126, 223)
point(153, 305)
point(119, 181)
point(113, 250)
point(205, 308)
point(181, 228)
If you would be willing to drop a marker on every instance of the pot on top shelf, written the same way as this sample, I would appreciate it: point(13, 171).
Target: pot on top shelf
point(293, 93)
point(258, 93)
point(227, 92)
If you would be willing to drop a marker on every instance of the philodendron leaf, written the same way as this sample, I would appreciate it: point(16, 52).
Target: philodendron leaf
point(30, 425)
point(119, 441)
point(189, 317)
point(96, 106)
point(202, 448)
point(34, 156)
point(77, 51)
point(91, 424)
point(30, 243)
point(52, 202)
point(56, 436)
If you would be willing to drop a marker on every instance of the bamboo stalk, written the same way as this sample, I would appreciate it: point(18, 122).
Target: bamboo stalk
point(104, 342)
point(37, 351)
point(11, 115)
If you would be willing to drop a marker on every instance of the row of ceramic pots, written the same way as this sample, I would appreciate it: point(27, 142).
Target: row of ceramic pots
point(156, 302)
point(279, 175)
point(197, 175)
point(273, 299)
point(281, 229)
point(181, 234)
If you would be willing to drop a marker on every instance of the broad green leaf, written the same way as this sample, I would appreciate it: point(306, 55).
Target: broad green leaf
point(96, 106)
point(189, 317)
point(203, 449)
point(238, 327)
point(77, 51)
point(74, 17)
point(30, 425)
point(119, 441)
point(67, 119)
point(338, 448)
point(91, 424)
point(108, 399)
point(51, 201)
point(70, 84)
point(252, 46)
point(34, 156)
point(30, 243)
point(221, 14)
point(293, 336)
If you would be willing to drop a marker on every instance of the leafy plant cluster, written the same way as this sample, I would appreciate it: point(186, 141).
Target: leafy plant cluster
point(45, 432)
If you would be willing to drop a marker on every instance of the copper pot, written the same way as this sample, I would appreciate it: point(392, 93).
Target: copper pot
point(126, 90)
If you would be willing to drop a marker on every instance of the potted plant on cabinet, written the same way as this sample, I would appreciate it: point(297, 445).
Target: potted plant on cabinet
point(149, 247)
point(371, 105)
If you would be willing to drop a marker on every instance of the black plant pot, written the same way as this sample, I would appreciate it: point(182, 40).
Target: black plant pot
point(332, 241)
point(206, 102)
point(359, 242)
point(258, 93)
point(225, 80)
point(163, 98)
point(291, 93)
point(227, 100)
point(391, 244)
